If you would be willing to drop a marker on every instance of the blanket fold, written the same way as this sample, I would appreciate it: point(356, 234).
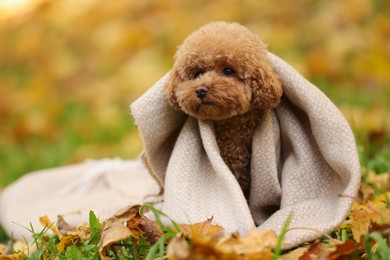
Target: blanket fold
point(304, 157)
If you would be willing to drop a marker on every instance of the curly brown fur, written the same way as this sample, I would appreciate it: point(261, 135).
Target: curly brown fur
point(222, 73)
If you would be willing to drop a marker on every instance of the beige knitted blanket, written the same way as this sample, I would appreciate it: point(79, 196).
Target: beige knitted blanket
point(304, 158)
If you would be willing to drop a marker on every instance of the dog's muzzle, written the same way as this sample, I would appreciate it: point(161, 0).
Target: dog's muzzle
point(201, 92)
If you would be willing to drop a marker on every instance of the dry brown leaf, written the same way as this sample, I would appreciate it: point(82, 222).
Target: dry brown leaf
point(378, 181)
point(27, 248)
point(203, 236)
point(363, 216)
point(125, 223)
point(204, 249)
point(18, 256)
point(3, 248)
point(345, 249)
point(316, 251)
point(206, 228)
point(256, 245)
point(82, 230)
point(140, 225)
point(46, 222)
point(366, 191)
point(116, 229)
point(199, 248)
point(295, 254)
point(361, 221)
point(382, 200)
point(66, 241)
point(178, 248)
point(373, 183)
point(257, 242)
point(381, 228)
point(64, 226)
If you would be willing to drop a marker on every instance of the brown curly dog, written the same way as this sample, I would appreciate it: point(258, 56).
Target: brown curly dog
point(222, 73)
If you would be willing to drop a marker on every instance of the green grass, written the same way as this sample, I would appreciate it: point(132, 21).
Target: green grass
point(3, 236)
point(46, 245)
point(278, 248)
point(381, 250)
point(68, 102)
point(40, 153)
point(129, 248)
point(75, 137)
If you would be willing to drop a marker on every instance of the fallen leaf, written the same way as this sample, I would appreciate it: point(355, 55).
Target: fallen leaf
point(63, 226)
point(360, 224)
point(346, 224)
point(383, 228)
point(206, 228)
point(140, 225)
point(27, 248)
point(295, 254)
point(82, 230)
point(125, 223)
point(3, 248)
point(382, 200)
point(178, 248)
point(115, 229)
point(46, 222)
point(66, 241)
point(315, 251)
point(346, 249)
point(378, 181)
point(255, 242)
point(364, 215)
point(366, 191)
point(6, 249)
point(18, 256)
point(199, 248)
point(256, 245)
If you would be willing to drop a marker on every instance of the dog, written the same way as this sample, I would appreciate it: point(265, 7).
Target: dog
point(221, 73)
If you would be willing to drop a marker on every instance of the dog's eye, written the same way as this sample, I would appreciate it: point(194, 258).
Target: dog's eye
point(198, 73)
point(228, 71)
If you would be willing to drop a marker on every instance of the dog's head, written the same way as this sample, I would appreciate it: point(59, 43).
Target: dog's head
point(221, 71)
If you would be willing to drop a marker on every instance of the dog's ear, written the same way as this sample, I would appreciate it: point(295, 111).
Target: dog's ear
point(170, 89)
point(267, 88)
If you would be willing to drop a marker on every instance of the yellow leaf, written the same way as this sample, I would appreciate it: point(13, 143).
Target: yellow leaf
point(116, 229)
point(360, 224)
point(66, 241)
point(362, 216)
point(46, 222)
point(82, 230)
point(382, 199)
point(206, 229)
point(378, 181)
point(3, 248)
point(27, 248)
point(18, 256)
point(295, 254)
point(178, 248)
point(199, 248)
point(256, 245)
point(256, 242)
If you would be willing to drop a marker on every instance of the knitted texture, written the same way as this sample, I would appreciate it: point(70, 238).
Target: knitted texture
point(304, 157)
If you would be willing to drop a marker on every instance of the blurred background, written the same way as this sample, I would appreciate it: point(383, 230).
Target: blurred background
point(69, 69)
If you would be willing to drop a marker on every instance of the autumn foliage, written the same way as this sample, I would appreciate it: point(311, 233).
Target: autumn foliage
point(69, 70)
point(130, 233)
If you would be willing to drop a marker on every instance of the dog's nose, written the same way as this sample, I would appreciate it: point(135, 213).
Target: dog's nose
point(201, 92)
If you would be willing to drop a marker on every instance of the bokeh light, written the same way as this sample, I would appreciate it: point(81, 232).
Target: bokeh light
point(69, 69)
